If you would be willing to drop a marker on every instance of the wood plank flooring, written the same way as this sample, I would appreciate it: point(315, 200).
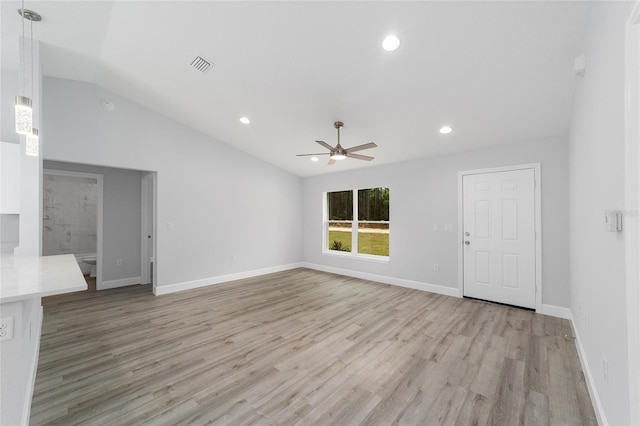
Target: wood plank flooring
point(303, 347)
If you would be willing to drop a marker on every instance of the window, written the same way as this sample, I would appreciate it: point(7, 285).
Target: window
point(357, 222)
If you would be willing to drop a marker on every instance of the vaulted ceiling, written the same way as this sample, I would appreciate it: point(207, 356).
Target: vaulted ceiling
point(496, 72)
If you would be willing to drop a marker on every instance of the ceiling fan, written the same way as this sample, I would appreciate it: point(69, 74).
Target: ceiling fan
point(339, 153)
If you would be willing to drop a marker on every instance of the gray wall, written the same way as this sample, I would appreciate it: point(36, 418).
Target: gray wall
point(424, 192)
point(597, 163)
point(219, 210)
point(121, 218)
point(9, 236)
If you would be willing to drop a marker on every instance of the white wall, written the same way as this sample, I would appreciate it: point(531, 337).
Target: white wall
point(20, 355)
point(596, 157)
point(31, 167)
point(424, 192)
point(120, 218)
point(9, 178)
point(9, 88)
point(229, 212)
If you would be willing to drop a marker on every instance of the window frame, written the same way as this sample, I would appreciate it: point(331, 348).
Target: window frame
point(353, 254)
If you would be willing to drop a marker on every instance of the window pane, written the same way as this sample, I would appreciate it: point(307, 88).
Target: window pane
point(339, 236)
point(340, 205)
point(373, 238)
point(373, 204)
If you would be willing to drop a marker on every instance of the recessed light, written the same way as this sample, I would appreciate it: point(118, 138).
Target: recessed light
point(445, 130)
point(314, 159)
point(390, 43)
point(245, 120)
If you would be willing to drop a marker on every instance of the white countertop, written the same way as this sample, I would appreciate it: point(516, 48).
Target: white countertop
point(28, 277)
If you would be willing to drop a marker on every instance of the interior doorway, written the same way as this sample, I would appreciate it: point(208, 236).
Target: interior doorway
point(499, 241)
point(148, 229)
point(121, 223)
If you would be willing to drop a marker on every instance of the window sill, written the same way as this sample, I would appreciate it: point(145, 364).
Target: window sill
point(365, 257)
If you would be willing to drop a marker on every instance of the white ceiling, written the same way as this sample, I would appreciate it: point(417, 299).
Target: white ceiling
point(497, 72)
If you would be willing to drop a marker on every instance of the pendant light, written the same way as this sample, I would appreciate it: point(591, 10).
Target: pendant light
point(23, 103)
point(32, 145)
point(23, 115)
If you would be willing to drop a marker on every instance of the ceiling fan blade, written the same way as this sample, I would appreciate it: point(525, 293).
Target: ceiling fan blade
point(305, 155)
point(361, 147)
point(331, 161)
point(359, 157)
point(326, 145)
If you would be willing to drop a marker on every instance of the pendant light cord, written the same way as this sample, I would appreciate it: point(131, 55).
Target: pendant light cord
point(31, 38)
point(24, 84)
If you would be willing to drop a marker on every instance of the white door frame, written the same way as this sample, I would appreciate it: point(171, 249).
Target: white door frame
point(148, 184)
point(632, 204)
point(538, 224)
point(99, 178)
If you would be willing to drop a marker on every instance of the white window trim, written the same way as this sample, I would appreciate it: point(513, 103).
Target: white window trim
point(353, 254)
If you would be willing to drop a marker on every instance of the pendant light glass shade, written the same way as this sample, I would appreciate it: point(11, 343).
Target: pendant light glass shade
point(24, 122)
point(33, 142)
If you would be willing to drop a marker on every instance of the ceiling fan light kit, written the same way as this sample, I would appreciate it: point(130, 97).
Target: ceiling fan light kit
point(338, 153)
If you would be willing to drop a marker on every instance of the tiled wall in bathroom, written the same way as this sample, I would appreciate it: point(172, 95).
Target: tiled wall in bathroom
point(69, 217)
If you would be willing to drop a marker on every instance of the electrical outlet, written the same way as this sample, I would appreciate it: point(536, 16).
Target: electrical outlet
point(436, 228)
point(6, 329)
point(119, 262)
point(448, 227)
point(605, 369)
point(436, 267)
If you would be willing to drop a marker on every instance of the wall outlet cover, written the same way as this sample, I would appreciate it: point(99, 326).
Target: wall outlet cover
point(6, 329)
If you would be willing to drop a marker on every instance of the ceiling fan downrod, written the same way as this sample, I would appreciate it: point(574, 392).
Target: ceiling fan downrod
point(338, 125)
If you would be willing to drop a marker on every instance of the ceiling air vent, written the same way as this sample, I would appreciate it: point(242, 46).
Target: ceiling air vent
point(201, 64)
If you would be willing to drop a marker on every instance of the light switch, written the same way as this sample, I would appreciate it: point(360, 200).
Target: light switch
point(612, 220)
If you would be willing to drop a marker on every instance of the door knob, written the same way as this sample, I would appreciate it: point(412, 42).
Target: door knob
point(467, 242)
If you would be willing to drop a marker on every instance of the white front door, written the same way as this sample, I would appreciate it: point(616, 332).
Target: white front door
point(499, 252)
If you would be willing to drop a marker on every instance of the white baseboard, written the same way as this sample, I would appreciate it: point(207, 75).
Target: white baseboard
point(33, 369)
point(204, 282)
point(591, 384)
point(118, 283)
point(556, 311)
point(416, 285)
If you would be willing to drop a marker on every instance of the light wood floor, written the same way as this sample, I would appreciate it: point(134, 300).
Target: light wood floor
point(303, 347)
